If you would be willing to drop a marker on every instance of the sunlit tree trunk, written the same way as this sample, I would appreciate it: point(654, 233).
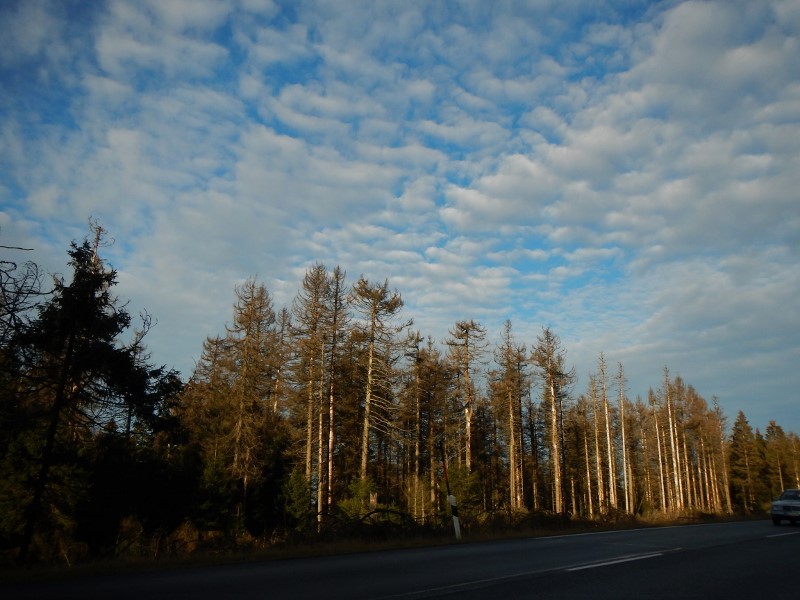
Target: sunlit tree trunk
point(646, 455)
point(555, 449)
point(368, 400)
point(689, 478)
point(726, 487)
point(282, 360)
point(714, 479)
point(467, 344)
point(621, 386)
point(589, 496)
point(661, 474)
point(378, 305)
point(549, 358)
point(414, 342)
point(309, 462)
point(601, 498)
point(708, 498)
point(507, 393)
point(612, 477)
point(534, 455)
point(338, 319)
point(310, 312)
point(321, 445)
point(673, 444)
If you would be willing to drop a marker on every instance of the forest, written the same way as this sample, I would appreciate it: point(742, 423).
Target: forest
point(327, 419)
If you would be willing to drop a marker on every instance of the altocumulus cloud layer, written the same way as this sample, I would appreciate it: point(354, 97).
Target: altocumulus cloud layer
point(624, 172)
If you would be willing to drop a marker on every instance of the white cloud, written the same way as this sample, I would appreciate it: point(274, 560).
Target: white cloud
point(625, 175)
point(183, 15)
point(31, 29)
point(266, 46)
point(138, 36)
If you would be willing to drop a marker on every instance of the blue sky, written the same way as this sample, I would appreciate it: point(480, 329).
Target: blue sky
point(625, 172)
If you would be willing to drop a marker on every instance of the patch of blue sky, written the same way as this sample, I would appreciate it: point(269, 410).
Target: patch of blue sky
point(455, 173)
point(603, 274)
point(288, 13)
point(227, 73)
point(596, 63)
point(122, 250)
point(295, 71)
point(36, 101)
point(261, 114)
point(593, 43)
point(620, 12)
point(453, 150)
point(13, 192)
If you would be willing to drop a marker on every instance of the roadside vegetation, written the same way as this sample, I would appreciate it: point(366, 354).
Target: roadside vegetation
point(186, 549)
point(332, 425)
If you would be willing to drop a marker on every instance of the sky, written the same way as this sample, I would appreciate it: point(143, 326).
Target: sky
point(624, 172)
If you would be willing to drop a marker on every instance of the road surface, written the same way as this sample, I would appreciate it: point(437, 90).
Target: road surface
point(730, 561)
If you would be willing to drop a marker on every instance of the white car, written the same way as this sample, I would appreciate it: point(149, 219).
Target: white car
point(786, 507)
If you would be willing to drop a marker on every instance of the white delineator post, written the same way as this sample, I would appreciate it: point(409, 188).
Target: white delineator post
point(451, 499)
point(454, 512)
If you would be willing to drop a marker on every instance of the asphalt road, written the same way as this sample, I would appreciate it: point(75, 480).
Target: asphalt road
point(731, 561)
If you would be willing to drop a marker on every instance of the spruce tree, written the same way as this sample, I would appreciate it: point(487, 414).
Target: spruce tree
point(742, 464)
point(77, 378)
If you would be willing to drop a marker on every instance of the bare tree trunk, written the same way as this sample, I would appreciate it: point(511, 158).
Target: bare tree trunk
point(647, 474)
point(714, 477)
point(468, 411)
point(555, 450)
point(588, 475)
point(691, 492)
point(338, 318)
point(673, 443)
point(432, 472)
point(722, 450)
point(512, 465)
point(378, 305)
point(621, 385)
point(521, 446)
point(467, 344)
point(321, 446)
point(661, 474)
point(631, 481)
point(612, 476)
point(331, 435)
point(534, 456)
point(417, 436)
point(368, 401)
point(710, 499)
point(601, 498)
point(310, 421)
point(572, 493)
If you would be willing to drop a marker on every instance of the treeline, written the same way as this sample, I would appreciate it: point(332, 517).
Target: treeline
point(327, 416)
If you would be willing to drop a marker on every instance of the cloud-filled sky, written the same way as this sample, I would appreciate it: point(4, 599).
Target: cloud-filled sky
point(625, 172)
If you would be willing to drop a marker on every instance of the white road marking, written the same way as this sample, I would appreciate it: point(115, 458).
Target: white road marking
point(615, 561)
point(464, 586)
point(774, 535)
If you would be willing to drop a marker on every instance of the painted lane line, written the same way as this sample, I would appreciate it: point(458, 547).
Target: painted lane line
point(776, 535)
point(624, 559)
point(476, 584)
